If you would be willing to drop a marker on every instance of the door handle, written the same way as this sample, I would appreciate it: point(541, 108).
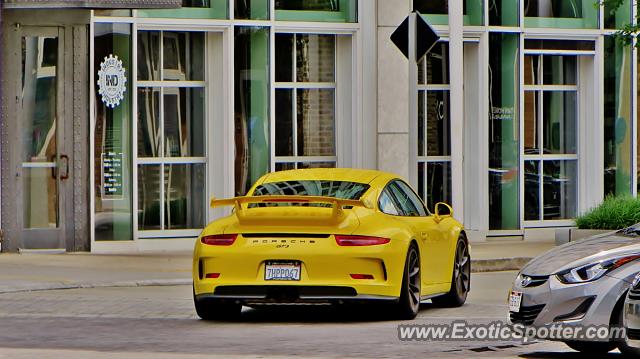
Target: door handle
point(65, 159)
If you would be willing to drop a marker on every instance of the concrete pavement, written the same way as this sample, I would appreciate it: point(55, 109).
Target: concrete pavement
point(30, 272)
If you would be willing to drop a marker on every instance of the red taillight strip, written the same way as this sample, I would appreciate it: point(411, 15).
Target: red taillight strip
point(356, 241)
point(219, 240)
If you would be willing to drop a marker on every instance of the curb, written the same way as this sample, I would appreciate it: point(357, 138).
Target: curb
point(132, 283)
point(498, 265)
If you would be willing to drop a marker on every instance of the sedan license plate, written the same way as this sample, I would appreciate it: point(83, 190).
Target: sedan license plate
point(282, 271)
point(515, 300)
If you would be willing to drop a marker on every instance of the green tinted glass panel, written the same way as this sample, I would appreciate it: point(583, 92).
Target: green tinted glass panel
point(503, 12)
point(113, 143)
point(251, 9)
point(617, 118)
point(578, 14)
point(317, 10)
point(192, 9)
point(616, 16)
point(251, 106)
point(504, 161)
point(437, 11)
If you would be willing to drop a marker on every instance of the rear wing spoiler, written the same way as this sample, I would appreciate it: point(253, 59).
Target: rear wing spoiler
point(336, 203)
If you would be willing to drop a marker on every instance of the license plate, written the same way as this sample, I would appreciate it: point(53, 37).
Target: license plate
point(515, 300)
point(282, 271)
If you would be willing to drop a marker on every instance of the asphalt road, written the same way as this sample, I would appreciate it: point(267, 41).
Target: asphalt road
point(160, 322)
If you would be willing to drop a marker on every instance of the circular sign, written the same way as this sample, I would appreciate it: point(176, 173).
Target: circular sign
point(112, 81)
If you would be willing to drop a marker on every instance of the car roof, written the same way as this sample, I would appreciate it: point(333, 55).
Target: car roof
point(329, 174)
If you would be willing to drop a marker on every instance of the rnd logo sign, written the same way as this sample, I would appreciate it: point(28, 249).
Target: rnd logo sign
point(112, 81)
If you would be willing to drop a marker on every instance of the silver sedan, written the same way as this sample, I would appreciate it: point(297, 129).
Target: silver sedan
point(581, 283)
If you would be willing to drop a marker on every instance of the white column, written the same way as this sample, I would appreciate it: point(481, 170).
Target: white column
point(393, 81)
point(456, 70)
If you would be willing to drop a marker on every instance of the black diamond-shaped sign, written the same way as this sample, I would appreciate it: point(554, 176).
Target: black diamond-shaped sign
point(426, 37)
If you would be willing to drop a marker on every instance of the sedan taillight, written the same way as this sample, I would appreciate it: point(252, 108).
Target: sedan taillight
point(351, 241)
point(219, 239)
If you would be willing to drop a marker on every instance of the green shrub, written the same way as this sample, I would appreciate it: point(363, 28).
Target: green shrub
point(613, 213)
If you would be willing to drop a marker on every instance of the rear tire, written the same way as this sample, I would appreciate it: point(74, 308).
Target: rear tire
point(460, 279)
point(409, 303)
point(216, 309)
point(594, 349)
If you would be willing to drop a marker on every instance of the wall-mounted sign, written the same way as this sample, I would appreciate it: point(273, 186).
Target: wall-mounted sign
point(112, 81)
point(112, 175)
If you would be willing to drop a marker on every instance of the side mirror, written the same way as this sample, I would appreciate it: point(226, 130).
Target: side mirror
point(443, 210)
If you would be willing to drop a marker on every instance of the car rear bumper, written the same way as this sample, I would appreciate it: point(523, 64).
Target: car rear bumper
point(290, 294)
point(326, 270)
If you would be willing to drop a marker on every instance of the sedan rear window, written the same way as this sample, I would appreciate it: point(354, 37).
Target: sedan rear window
point(336, 189)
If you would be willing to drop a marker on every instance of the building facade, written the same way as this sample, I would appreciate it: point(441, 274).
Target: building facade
point(119, 125)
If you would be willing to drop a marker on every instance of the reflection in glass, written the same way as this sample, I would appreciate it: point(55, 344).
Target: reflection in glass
point(148, 55)
point(252, 9)
point(315, 58)
point(503, 12)
point(560, 121)
point(184, 196)
point(504, 160)
point(284, 123)
point(531, 123)
point(553, 8)
point(196, 3)
point(560, 70)
point(617, 18)
point(284, 57)
point(183, 56)
point(40, 198)
point(184, 130)
point(252, 105)
point(440, 7)
point(618, 123)
point(113, 139)
point(149, 179)
point(433, 69)
point(281, 166)
point(532, 70)
point(315, 5)
point(149, 122)
point(532, 191)
point(317, 165)
point(315, 122)
point(434, 184)
point(560, 190)
point(438, 124)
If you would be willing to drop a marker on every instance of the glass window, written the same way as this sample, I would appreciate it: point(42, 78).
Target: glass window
point(404, 201)
point(252, 91)
point(325, 188)
point(305, 99)
point(434, 127)
point(171, 130)
point(38, 110)
point(550, 128)
point(561, 13)
point(251, 9)
point(617, 14)
point(113, 142)
point(503, 12)
point(472, 10)
point(617, 117)
point(411, 195)
point(386, 204)
point(504, 151)
point(192, 9)
point(317, 10)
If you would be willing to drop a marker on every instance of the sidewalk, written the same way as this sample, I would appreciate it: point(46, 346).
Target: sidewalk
point(29, 272)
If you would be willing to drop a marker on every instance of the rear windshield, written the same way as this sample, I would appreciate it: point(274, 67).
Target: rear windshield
point(336, 189)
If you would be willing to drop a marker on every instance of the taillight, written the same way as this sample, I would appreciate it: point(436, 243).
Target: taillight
point(219, 240)
point(350, 241)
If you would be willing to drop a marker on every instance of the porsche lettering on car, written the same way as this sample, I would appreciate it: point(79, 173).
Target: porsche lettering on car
point(330, 236)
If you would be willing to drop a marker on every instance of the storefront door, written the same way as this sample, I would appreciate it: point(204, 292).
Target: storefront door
point(41, 152)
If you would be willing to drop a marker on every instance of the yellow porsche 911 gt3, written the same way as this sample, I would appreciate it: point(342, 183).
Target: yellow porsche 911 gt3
point(318, 236)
